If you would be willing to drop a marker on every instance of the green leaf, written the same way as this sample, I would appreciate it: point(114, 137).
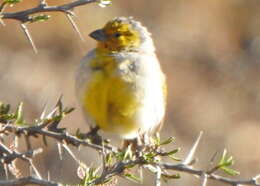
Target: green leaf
point(12, 1)
point(169, 140)
point(157, 139)
point(175, 158)
point(109, 159)
point(225, 162)
point(128, 154)
point(19, 115)
point(4, 108)
point(133, 178)
point(68, 110)
point(229, 161)
point(7, 116)
point(90, 175)
point(39, 18)
point(149, 157)
point(230, 171)
point(125, 154)
point(173, 176)
point(173, 151)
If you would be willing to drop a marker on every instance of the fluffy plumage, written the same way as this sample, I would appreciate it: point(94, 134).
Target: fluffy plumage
point(120, 84)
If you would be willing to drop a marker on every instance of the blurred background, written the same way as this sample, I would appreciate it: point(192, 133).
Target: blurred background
point(209, 50)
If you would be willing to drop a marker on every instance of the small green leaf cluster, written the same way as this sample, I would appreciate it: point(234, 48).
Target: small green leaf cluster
point(11, 2)
point(6, 116)
point(225, 162)
point(17, 117)
point(124, 155)
point(4, 113)
point(87, 174)
point(39, 18)
point(133, 177)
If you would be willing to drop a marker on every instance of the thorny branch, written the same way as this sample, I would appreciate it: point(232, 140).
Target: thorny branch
point(121, 166)
point(25, 15)
point(10, 155)
point(115, 162)
point(63, 137)
point(29, 180)
point(31, 15)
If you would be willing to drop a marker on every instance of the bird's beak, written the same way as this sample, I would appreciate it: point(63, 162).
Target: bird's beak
point(98, 35)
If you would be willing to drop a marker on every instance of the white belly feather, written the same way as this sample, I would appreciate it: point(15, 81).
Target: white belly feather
point(150, 81)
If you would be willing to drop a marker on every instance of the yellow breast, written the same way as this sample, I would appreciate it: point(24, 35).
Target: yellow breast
point(110, 98)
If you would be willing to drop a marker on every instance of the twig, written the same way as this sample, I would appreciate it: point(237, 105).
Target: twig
point(24, 15)
point(29, 180)
point(12, 155)
point(200, 173)
point(7, 157)
point(116, 169)
point(119, 167)
point(62, 137)
point(114, 165)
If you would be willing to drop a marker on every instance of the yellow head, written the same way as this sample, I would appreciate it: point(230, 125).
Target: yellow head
point(121, 34)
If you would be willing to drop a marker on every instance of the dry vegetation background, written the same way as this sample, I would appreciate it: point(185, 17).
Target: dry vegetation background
point(209, 50)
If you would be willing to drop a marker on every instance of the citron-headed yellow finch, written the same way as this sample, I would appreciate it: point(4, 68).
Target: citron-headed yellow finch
point(120, 84)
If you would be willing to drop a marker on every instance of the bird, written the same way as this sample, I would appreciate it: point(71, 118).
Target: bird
point(120, 84)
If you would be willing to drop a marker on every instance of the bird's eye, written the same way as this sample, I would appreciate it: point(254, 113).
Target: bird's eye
point(117, 34)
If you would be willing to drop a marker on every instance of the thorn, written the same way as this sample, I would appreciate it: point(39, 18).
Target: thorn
point(43, 114)
point(141, 174)
point(6, 171)
point(256, 177)
point(60, 150)
point(43, 2)
point(204, 178)
point(71, 153)
point(158, 176)
point(59, 104)
point(3, 5)
point(212, 159)
point(27, 34)
point(2, 22)
point(190, 155)
point(48, 176)
point(103, 157)
point(16, 140)
point(74, 25)
point(35, 170)
point(59, 99)
point(52, 113)
point(27, 142)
